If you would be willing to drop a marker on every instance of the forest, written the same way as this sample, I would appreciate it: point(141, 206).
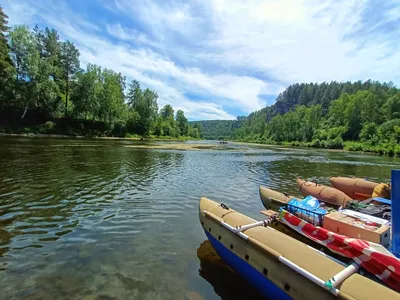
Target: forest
point(44, 90)
point(359, 116)
point(216, 129)
point(363, 116)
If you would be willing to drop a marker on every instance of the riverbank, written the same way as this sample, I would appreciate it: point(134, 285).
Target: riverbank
point(71, 128)
point(128, 138)
point(389, 149)
point(186, 146)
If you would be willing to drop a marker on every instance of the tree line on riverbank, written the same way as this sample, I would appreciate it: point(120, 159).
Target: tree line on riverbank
point(354, 116)
point(44, 90)
point(216, 129)
point(362, 116)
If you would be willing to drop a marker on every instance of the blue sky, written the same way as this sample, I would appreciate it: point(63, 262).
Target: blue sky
point(223, 58)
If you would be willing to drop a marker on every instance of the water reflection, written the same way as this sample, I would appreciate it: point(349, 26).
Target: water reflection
point(93, 218)
point(227, 284)
point(50, 189)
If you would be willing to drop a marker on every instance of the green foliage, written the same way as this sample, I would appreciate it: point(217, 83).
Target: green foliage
point(213, 129)
point(6, 65)
point(368, 132)
point(40, 76)
point(86, 93)
point(392, 107)
point(48, 127)
point(158, 129)
point(329, 116)
point(145, 104)
point(336, 143)
point(389, 131)
point(182, 122)
point(167, 113)
point(299, 125)
point(69, 65)
point(382, 148)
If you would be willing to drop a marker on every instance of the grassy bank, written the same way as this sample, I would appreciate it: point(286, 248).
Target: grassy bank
point(43, 131)
point(390, 149)
point(78, 128)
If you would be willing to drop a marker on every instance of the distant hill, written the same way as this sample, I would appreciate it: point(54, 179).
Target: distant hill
point(217, 129)
point(310, 94)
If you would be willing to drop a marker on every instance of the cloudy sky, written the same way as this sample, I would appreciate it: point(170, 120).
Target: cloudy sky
point(223, 58)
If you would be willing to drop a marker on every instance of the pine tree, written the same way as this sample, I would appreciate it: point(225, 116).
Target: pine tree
point(69, 58)
point(6, 65)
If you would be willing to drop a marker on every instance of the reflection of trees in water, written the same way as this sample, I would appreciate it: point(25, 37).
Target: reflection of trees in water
point(49, 186)
point(227, 284)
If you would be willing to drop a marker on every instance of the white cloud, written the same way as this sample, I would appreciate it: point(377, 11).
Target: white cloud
point(19, 13)
point(169, 16)
point(131, 35)
point(300, 40)
point(213, 49)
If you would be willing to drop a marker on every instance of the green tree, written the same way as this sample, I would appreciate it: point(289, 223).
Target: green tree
point(86, 92)
point(134, 94)
point(182, 123)
point(391, 108)
point(6, 65)
point(112, 96)
point(69, 60)
point(389, 131)
point(167, 112)
point(49, 47)
point(158, 129)
point(27, 61)
point(168, 129)
point(199, 128)
point(193, 132)
point(145, 104)
point(368, 132)
point(167, 115)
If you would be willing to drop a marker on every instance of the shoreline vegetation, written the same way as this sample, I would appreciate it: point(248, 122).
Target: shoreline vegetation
point(128, 137)
point(349, 147)
point(182, 146)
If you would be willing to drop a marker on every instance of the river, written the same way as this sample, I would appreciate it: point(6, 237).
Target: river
point(96, 219)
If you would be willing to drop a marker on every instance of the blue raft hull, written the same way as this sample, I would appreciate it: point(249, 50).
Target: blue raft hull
point(264, 286)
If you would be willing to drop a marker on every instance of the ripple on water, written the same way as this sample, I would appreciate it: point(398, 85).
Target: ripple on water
point(96, 218)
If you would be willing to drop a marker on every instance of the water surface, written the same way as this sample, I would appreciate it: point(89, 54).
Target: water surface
point(94, 219)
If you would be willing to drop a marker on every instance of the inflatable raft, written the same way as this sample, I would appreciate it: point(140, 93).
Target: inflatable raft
point(272, 199)
point(278, 266)
point(324, 193)
point(355, 188)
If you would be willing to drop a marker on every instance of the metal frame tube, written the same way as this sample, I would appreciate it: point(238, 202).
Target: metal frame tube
point(308, 275)
point(248, 226)
point(342, 275)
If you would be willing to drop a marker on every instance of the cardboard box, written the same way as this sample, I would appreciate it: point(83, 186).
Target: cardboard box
point(340, 223)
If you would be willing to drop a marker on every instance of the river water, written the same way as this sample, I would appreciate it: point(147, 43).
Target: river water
point(95, 219)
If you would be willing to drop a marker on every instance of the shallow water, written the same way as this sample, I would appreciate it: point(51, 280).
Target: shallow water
point(94, 219)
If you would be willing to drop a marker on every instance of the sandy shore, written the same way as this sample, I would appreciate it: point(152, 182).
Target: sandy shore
point(40, 135)
point(183, 146)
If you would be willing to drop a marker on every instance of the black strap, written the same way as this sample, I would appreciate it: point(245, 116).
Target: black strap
point(224, 206)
